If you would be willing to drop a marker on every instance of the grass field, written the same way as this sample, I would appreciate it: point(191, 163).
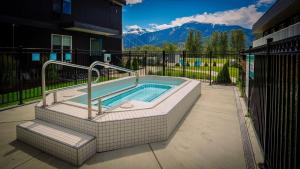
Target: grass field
point(35, 93)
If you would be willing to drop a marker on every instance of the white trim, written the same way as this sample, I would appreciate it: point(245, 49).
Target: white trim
point(285, 33)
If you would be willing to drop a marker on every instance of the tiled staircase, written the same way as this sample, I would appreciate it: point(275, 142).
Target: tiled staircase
point(61, 142)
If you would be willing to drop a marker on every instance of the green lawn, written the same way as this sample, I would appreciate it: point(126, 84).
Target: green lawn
point(207, 60)
point(32, 94)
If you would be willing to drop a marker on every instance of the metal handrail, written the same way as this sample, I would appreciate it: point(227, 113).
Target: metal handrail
point(106, 65)
point(44, 92)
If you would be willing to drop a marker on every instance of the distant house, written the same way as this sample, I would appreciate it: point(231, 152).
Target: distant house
point(62, 24)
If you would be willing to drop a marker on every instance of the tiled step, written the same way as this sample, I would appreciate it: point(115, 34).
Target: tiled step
point(61, 142)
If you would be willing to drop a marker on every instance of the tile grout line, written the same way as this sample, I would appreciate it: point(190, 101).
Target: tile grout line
point(247, 147)
point(160, 166)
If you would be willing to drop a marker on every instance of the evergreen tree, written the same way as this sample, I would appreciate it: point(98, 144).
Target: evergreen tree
point(224, 76)
point(237, 40)
point(170, 47)
point(214, 42)
point(193, 41)
point(135, 64)
point(223, 43)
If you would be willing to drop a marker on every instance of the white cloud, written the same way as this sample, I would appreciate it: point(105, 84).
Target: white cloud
point(133, 27)
point(131, 2)
point(265, 2)
point(244, 17)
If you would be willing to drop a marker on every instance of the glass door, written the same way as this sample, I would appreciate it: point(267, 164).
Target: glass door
point(63, 44)
point(95, 48)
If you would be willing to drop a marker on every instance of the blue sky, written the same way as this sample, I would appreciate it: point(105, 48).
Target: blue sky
point(161, 14)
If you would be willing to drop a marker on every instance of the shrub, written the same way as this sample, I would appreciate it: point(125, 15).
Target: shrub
point(224, 76)
point(188, 64)
point(177, 64)
point(150, 72)
point(205, 64)
point(135, 64)
point(128, 64)
point(215, 64)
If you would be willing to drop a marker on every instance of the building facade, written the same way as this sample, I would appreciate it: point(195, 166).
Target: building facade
point(62, 24)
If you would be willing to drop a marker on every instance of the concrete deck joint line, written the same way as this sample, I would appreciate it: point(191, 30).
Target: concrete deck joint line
point(247, 146)
point(156, 158)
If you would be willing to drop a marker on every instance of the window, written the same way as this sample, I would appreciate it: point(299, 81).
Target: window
point(95, 46)
point(67, 7)
point(62, 43)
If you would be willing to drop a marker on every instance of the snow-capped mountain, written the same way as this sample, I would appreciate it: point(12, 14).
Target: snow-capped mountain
point(140, 37)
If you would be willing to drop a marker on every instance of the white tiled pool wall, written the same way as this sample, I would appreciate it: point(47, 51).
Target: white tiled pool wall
point(73, 155)
point(114, 134)
point(124, 133)
point(111, 134)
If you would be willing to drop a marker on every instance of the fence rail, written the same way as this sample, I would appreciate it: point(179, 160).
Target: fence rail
point(21, 68)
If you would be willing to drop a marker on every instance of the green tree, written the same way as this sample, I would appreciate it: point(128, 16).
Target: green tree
point(224, 76)
point(214, 42)
point(193, 41)
point(135, 64)
point(237, 40)
point(145, 48)
point(128, 63)
point(170, 47)
point(223, 45)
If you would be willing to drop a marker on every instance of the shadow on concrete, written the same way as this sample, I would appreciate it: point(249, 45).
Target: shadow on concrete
point(36, 155)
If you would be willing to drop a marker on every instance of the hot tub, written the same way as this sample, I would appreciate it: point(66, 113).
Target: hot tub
point(147, 113)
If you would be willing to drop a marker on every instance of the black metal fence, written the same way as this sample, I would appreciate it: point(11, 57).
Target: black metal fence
point(21, 68)
point(273, 102)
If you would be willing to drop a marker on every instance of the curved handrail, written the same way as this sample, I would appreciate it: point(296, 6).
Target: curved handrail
point(44, 92)
point(106, 65)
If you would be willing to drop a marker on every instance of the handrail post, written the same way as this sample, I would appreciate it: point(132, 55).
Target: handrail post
point(210, 59)
point(20, 77)
point(164, 62)
point(44, 84)
point(183, 62)
point(145, 62)
point(54, 97)
point(59, 63)
point(89, 87)
point(100, 106)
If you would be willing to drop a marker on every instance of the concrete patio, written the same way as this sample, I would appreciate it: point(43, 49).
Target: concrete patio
point(209, 137)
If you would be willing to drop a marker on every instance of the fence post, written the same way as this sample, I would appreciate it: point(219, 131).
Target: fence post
point(129, 62)
point(183, 62)
point(75, 62)
point(20, 78)
point(210, 58)
point(108, 71)
point(164, 62)
point(145, 62)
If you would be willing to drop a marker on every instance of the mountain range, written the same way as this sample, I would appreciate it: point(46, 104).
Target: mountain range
point(139, 37)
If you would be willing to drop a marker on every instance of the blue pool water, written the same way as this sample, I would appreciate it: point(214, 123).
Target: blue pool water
point(145, 92)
